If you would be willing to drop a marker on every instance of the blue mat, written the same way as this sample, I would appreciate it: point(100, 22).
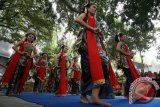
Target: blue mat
point(49, 100)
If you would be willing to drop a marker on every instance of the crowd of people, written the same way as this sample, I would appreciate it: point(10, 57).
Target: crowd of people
point(154, 75)
point(95, 77)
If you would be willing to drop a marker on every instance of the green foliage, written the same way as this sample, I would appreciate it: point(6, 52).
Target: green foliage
point(51, 50)
point(18, 16)
point(134, 20)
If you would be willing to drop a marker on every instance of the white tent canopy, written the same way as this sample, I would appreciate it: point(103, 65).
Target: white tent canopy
point(6, 49)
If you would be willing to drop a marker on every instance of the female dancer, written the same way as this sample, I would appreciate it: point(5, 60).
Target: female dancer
point(77, 76)
point(92, 70)
point(61, 72)
point(41, 68)
point(18, 68)
point(51, 79)
point(125, 63)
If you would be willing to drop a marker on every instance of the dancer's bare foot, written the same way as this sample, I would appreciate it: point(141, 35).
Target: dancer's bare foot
point(84, 99)
point(99, 101)
point(61, 95)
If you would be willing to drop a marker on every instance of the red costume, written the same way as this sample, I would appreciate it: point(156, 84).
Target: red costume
point(93, 54)
point(62, 88)
point(11, 68)
point(131, 65)
point(77, 74)
point(41, 70)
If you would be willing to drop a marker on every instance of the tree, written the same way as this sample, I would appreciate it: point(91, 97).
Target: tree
point(135, 20)
point(51, 50)
point(21, 16)
point(141, 13)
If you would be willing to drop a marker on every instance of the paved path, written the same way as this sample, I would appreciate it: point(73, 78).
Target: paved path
point(6, 101)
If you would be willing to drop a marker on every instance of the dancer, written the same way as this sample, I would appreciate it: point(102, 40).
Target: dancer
point(51, 79)
point(77, 77)
point(18, 68)
point(61, 72)
point(92, 71)
point(124, 62)
point(35, 77)
point(41, 67)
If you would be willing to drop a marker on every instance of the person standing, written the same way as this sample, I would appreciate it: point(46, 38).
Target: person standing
point(61, 82)
point(124, 62)
point(93, 77)
point(41, 68)
point(76, 78)
point(18, 68)
point(51, 79)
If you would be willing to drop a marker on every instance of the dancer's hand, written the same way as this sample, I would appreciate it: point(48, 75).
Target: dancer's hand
point(129, 55)
point(97, 30)
point(19, 52)
point(27, 54)
point(58, 66)
point(37, 66)
point(24, 53)
point(31, 57)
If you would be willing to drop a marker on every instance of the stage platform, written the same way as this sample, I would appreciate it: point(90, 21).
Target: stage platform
point(49, 100)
